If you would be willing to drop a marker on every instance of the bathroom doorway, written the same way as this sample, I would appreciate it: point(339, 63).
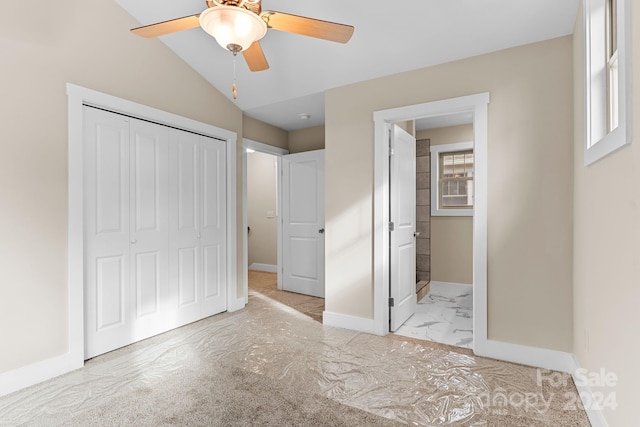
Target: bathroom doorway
point(444, 231)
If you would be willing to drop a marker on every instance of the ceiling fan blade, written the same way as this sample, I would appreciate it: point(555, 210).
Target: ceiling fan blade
point(308, 26)
point(255, 57)
point(167, 27)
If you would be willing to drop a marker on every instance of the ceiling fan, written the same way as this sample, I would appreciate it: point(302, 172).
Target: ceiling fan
point(238, 25)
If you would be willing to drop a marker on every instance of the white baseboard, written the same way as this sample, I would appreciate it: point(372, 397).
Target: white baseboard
point(269, 268)
point(525, 355)
point(38, 372)
point(353, 323)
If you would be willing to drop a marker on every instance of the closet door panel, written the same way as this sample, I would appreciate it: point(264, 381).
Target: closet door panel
point(212, 276)
point(110, 281)
point(185, 276)
point(106, 198)
point(213, 234)
point(147, 283)
point(149, 221)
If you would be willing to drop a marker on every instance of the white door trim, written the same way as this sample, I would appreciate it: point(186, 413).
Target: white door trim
point(476, 104)
point(482, 345)
point(77, 96)
point(278, 152)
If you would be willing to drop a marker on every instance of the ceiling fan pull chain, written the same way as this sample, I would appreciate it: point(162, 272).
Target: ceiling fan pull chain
point(234, 88)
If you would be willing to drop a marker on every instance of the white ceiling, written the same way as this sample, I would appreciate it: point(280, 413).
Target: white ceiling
point(389, 38)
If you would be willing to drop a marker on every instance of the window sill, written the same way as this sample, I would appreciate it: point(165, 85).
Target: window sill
point(611, 142)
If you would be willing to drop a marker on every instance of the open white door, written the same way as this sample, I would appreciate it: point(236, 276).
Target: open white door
point(402, 173)
point(303, 223)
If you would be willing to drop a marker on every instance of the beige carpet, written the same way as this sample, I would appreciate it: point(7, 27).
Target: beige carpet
point(269, 365)
point(224, 397)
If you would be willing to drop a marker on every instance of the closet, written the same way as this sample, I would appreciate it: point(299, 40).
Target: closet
point(155, 229)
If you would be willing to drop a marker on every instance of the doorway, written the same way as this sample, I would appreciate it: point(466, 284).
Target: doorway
point(262, 211)
point(444, 236)
point(251, 147)
point(477, 106)
point(269, 173)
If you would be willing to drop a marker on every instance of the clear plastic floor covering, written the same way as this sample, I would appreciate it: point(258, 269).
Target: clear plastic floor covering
point(418, 384)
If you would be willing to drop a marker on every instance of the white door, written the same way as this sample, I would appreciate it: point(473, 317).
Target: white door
point(107, 268)
point(149, 228)
point(402, 173)
point(303, 223)
point(185, 276)
point(213, 212)
point(197, 217)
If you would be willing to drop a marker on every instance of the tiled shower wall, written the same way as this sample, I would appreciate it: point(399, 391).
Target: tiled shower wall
point(423, 210)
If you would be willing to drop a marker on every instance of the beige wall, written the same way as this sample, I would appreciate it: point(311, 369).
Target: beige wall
point(88, 44)
point(529, 183)
point(263, 132)
point(452, 249)
point(308, 139)
point(451, 236)
point(447, 135)
point(607, 250)
point(261, 208)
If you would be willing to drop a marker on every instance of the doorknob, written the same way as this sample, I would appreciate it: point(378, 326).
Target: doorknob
point(416, 233)
point(321, 231)
point(134, 241)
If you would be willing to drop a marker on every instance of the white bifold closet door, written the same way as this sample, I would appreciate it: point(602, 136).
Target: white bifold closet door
point(155, 229)
point(198, 220)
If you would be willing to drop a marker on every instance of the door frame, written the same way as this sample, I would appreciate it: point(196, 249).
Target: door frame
point(278, 153)
point(383, 119)
point(77, 97)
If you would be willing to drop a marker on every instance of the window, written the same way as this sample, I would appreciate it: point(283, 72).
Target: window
point(612, 64)
point(452, 179)
point(607, 122)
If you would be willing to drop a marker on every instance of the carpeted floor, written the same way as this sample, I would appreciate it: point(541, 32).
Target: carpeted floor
point(269, 365)
point(224, 397)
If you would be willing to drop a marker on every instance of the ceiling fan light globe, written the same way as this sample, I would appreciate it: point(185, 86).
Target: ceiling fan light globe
point(233, 26)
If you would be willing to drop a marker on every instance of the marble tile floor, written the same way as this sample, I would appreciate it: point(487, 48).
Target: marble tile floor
point(444, 315)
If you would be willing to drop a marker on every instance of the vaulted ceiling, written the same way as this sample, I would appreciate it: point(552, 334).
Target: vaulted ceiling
point(390, 37)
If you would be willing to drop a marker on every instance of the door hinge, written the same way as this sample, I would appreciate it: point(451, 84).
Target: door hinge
point(391, 149)
point(392, 226)
point(391, 302)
